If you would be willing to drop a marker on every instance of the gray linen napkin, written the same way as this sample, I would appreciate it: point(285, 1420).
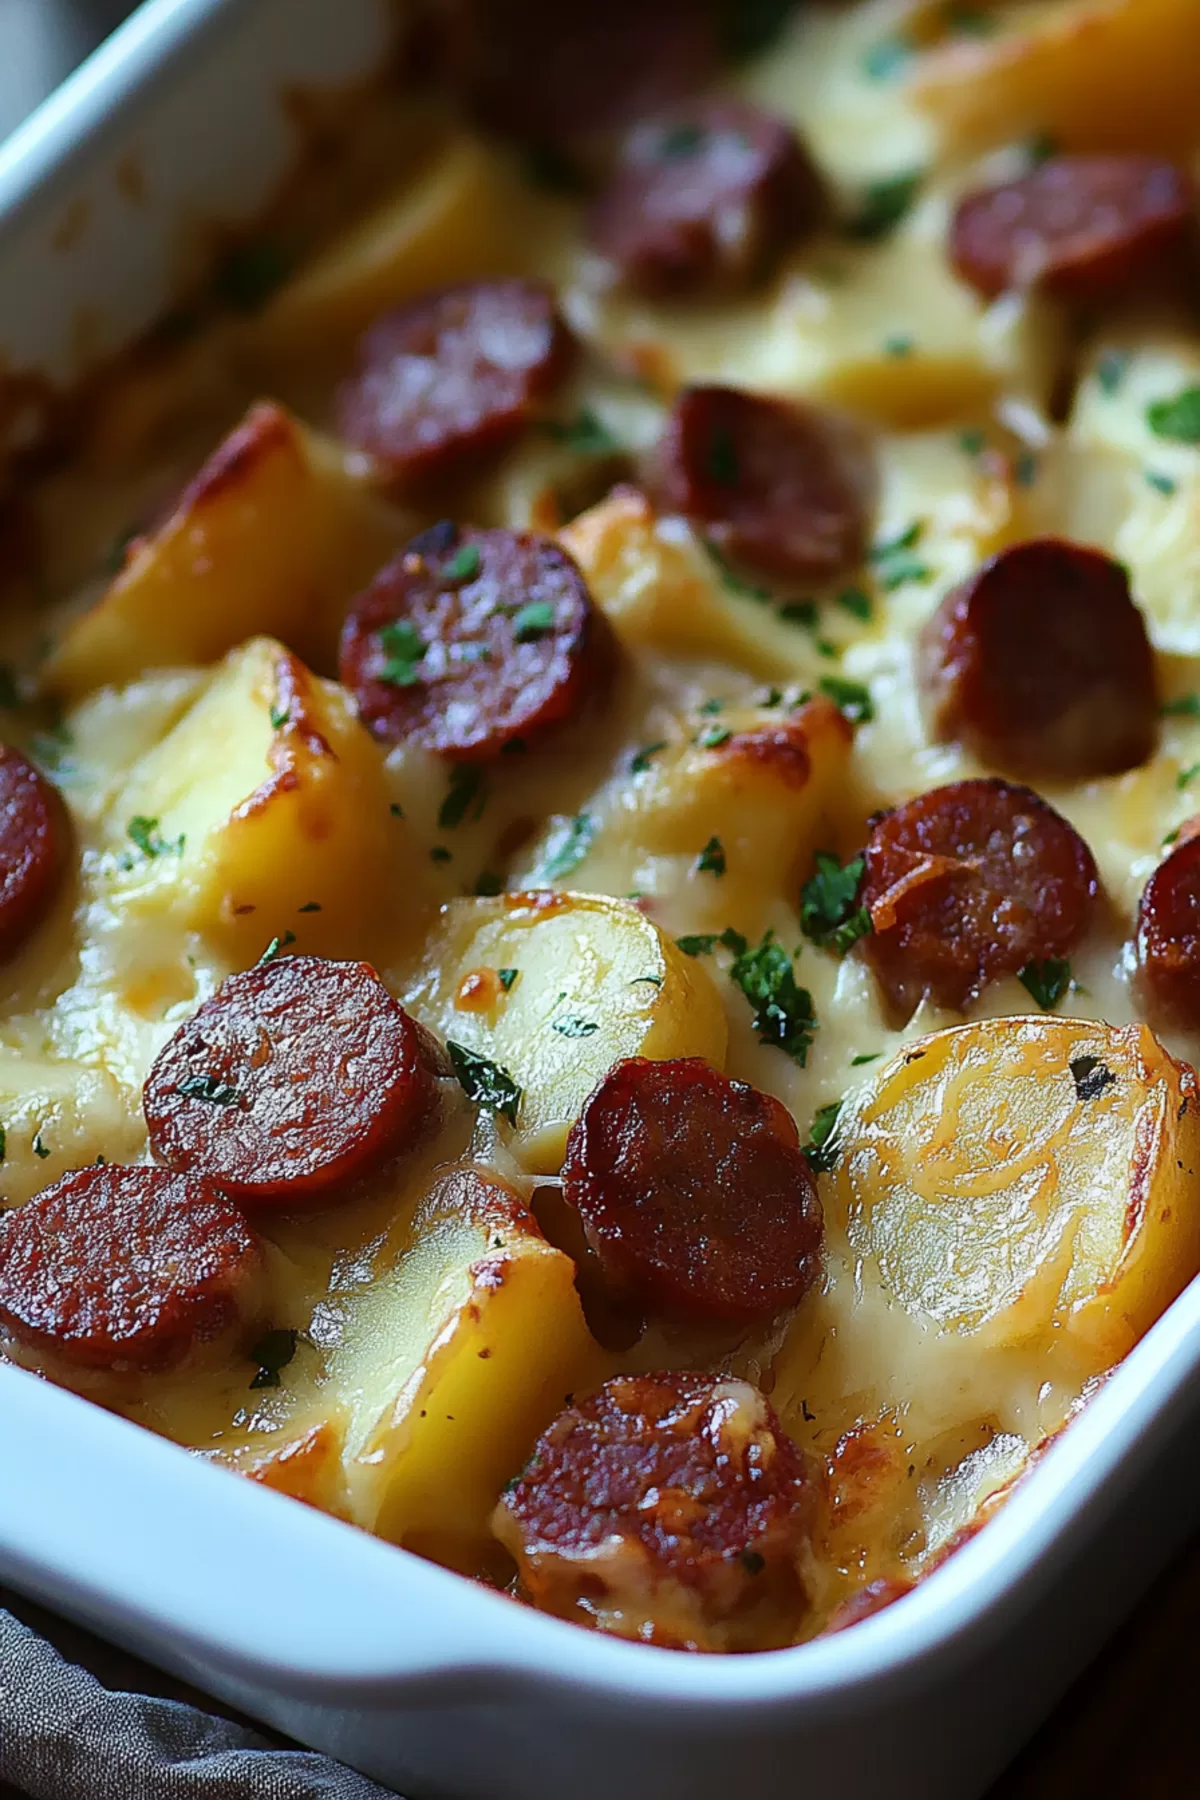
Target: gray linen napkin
point(65, 1737)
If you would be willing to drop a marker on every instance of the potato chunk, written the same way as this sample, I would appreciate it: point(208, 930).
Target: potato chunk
point(273, 535)
point(587, 980)
point(1027, 1178)
point(1094, 74)
point(59, 1116)
point(265, 810)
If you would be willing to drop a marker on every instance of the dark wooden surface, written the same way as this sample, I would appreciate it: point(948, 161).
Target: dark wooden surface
point(1128, 1730)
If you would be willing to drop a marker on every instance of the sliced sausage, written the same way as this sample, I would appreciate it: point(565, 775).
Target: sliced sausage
point(1083, 228)
point(1168, 936)
point(1040, 663)
point(126, 1269)
point(775, 486)
point(706, 200)
point(297, 1076)
point(694, 1193)
point(454, 376)
point(968, 883)
point(33, 844)
point(472, 639)
point(671, 1508)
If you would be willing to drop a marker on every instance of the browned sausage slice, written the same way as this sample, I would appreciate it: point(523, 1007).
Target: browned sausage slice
point(707, 200)
point(968, 883)
point(471, 639)
point(1087, 228)
point(694, 1193)
point(454, 376)
point(670, 1508)
point(33, 842)
point(776, 486)
point(126, 1269)
point(1040, 663)
point(296, 1077)
point(1168, 936)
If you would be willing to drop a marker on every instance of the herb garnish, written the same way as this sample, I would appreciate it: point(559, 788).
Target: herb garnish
point(273, 1352)
point(702, 943)
point(484, 1082)
point(1111, 369)
point(1177, 419)
point(489, 884)
point(1047, 981)
point(403, 647)
point(145, 834)
point(828, 913)
point(851, 696)
point(310, 906)
point(506, 978)
point(463, 565)
point(533, 621)
point(856, 603)
point(279, 717)
point(39, 1149)
point(207, 1087)
point(467, 793)
point(730, 579)
point(857, 1062)
point(783, 1012)
point(822, 1148)
point(1186, 776)
point(440, 854)
point(681, 140)
point(3, 1143)
point(640, 762)
point(1162, 484)
point(571, 1025)
point(713, 736)
point(586, 434)
point(883, 205)
point(275, 946)
point(893, 564)
point(1184, 706)
point(711, 860)
point(886, 58)
point(568, 846)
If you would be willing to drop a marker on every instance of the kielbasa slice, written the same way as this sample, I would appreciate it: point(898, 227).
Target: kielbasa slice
point(1040, 663)
point(706, 200)
point(1168, 936)
point(296, 1077)
point(472, 639)
point(454, 376)
point(967, 883)
point(126, 1269)
point(1082, 228)
point(671, 1508)
point(33, 843)
point(694, 1193)
point(774, 485)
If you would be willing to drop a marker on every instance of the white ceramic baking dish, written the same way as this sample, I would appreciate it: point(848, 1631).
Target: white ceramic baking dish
point(416, 1676)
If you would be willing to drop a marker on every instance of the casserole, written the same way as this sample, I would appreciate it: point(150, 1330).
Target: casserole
point(375, 1693)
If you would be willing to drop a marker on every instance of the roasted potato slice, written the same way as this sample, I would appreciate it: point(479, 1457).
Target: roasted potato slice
point(555, 988)
point(1027, 1178)
point(275, 534)
point(58, 1116)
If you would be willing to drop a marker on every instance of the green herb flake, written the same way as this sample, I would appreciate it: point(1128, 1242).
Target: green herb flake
point(698, 943)
point(678, 141)
point(822, 1148)
point(640, 762)
point(568, 846)
point(489, 884)
point(463, 565)
point(731, 581)
point(586, 434)
point(1186, 776)
point(207, 1087)
point(883, 204)
point(711, 860)
point(711, 706)
point(970, 21)
point(1025, 469)
point(783, 1012)
point(1177, 419)
point(250, 274)
point(722, 459)
point(466, 795)
point(1162, 484)
point(856, 603)
point(403, 647)
point(1172, 837)
point(279, 717)
point(899, 344)
point(1184, 706)
point(1041, 148)
point(533, 621)
point(572, 1025)
point(1111, 369)
point(276, 945)
point(972, 442)
point(3, 1143)
point(145, 834)
point(117, 554)
point(851, 696)
point(310, 906)
point(894, 566)
point(829, 914)
point(870, 1056)
point(713, 736)
point(887, 58)
point(440, 854)
point(507, 977)
point(273, 1352)
point(40, 1150)
point(800, 612)
point(1047, 981)
point(484, 1082)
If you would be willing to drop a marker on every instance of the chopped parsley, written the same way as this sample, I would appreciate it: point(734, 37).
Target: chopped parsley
point(870, 1056)
point(3, 1143)
point(250, 274)
point(899, 344)
point(572, 1025)
point(1184, 706)
point(440, 854)
point(886, 58)
point(851, 696)
point(485, 1082)
point(533, 621)
point(310, 906)
point(39, 1149)
point(506, 978)
point(145, 834)
point(713, 736)
point(275, 946)
point(722, 460)
point(711, 706)
point(463, 565)
point(1111, 369)
point(711, 860)
point(703, 943)
point(1162, 484)
point(396, 810)
point(783, 1012)
point(1177, 419)
point(1186, 776)
point(730, 579)
point(640, 762)
point(1040, 148)
point(799, 612)
point(1025, 469)
point(586, 434)
point(822, 1148)
point(207, 1087)
point(894, 565)
point(279, 716)
point(883, 205)
point(681, 140)
point(856, 603)
point(273, 1352)
point(972, 442)
point(829, 915)
point(403, 647)
point(466, 794)
point(489, 884)
point(1091, 1077)
point(568, 846)
point(1047, 981)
